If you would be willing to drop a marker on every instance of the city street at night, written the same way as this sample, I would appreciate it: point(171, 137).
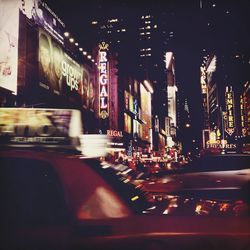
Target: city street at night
point(125, 125)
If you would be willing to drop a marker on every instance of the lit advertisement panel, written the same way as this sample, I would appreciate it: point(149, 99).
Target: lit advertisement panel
point(43, 16)
point(48, 127)
point(172, 104)
point(126, 100)
point(85, 88)
point(162, 143)
point(46, 18)
point(146, 112)
point(211, 84)
point(131, 103)
point(91, 94)
point(127, 123)
point(9, 25)
point(58, 72)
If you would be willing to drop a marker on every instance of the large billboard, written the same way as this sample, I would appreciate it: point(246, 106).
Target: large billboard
point(45, 17)
point(58, 72)
point(213, 101)
point(9, 25)
point(62, 75)
point(146, 113)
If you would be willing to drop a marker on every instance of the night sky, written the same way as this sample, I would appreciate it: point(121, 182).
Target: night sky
point(223, 28)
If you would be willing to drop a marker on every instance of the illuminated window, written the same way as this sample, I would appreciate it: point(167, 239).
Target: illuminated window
point(94, 22)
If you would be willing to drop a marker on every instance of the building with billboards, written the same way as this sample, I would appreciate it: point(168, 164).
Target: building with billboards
point(225, 102)
point(135, 116)
point(42, 70)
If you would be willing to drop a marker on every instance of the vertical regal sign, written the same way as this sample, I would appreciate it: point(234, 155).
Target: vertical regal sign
point(103, 80)
point(229, 99)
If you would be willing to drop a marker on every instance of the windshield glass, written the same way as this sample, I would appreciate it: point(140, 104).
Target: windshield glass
point(137, 199)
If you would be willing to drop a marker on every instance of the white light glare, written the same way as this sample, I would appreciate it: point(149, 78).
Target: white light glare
point(66, 34)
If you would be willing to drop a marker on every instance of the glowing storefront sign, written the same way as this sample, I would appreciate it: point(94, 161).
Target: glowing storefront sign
point(220, 144)
point(230, 121)
point(103, 81)
point(114, 133)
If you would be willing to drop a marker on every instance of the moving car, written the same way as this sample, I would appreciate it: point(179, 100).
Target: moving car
point(222, 174)
point(54, 197)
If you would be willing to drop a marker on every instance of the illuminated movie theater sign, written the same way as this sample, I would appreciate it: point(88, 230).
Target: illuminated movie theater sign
point(230, 122)
point(103, 81)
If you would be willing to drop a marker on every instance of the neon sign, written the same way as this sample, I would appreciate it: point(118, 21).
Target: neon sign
point(114, 133)
point(203, 80)
point(103, 81)
point(230, 121)
point(243, 116)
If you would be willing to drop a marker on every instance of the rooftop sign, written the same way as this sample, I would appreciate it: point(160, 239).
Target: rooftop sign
point(40, 127)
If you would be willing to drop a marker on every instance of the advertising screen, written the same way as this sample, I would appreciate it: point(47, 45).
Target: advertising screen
point(47, 127)
point(146, 112)
point(91, 93)
point(9, 17)
point(127, 123)
point(58, 72)
point(47, 19)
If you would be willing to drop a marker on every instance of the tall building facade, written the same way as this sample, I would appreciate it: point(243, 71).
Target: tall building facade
point(224, 75)
point(142, 41)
